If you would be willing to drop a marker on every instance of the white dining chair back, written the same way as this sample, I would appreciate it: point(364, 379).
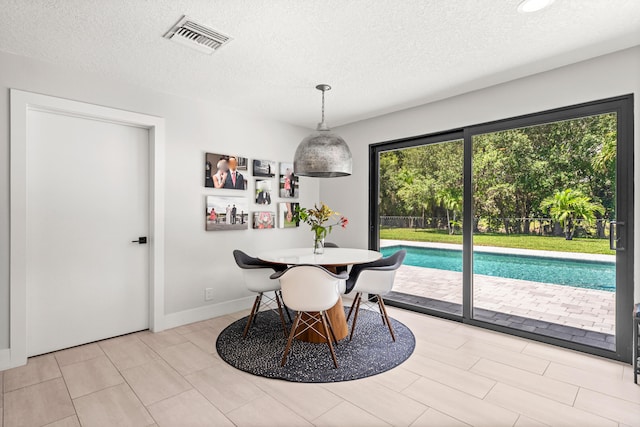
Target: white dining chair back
point(375, 282)
point(375, 278)
point(311, 290)
point(257, 278)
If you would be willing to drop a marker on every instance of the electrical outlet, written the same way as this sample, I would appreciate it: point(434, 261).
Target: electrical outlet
point(208, 294)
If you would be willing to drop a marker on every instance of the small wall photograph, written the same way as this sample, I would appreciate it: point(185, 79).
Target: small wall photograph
point(262, 220)
point(285, 215)
point(227, 213)
point(265, 168)
point(225, 171)
point(263, 192)
point(289, 187)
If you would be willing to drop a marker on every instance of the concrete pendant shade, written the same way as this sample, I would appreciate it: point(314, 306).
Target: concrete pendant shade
point(322, 154)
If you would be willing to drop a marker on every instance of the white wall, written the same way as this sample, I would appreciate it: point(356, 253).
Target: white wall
point(194, 259)
point(602, 77)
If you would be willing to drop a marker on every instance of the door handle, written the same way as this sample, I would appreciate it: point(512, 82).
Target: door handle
point(140, 241)
point(614, 238)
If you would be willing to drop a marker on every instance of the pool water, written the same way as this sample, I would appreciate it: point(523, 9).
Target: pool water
point(581, 274)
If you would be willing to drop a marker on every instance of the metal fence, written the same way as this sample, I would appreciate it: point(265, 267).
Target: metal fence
point(538, 226)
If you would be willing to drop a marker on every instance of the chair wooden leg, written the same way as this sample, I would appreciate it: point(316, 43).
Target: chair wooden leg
point(290, 340)
point(379, 302)
point(251, 315)
point(284, 306)
point(255, 315)
point(355, 318)
point(284, 325)
point(333, 334)
point(386, 316)
point(323, 316)
point(355, 301)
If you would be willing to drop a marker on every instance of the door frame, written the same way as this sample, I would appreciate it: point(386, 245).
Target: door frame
point(623, 107)
point(21, 103)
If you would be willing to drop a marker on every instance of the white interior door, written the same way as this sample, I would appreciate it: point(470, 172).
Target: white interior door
point(87, 199)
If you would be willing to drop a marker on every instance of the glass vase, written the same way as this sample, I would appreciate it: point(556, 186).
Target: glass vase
point(318, 246)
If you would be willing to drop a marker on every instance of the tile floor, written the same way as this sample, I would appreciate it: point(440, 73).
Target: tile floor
point(459, 375)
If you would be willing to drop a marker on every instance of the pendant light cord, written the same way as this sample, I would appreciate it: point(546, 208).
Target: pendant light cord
point(322, 125)
point(323, 106)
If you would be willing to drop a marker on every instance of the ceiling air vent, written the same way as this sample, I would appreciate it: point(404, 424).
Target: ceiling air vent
point(195, 35)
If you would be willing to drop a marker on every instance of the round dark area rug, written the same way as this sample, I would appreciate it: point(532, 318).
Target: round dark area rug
point(369, 353)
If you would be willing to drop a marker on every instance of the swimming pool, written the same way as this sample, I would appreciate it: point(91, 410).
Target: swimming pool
point(581, 274)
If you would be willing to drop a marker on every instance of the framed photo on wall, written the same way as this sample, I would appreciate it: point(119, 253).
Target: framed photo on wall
point(263, 219)
point(265, 168)
point(288, 182)
point(225, 171)
point(227, 213)
point(263, 192)
point(285, 215)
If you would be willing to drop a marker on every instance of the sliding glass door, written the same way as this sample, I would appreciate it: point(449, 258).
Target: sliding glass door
point(420, 202)
point(523, 226)
point(544, 197)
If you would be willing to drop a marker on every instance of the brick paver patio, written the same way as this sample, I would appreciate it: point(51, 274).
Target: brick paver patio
point(586, 309)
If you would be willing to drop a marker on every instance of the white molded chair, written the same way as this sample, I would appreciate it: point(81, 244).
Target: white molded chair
point(256, 274)
point(374, 278)
point(311, 290)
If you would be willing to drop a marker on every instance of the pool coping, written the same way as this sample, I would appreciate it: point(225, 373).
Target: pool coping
point(508, 251)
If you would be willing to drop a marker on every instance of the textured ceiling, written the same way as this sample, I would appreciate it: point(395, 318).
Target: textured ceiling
point(379, 56)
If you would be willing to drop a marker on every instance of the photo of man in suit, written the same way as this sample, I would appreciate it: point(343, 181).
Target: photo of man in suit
point(234, 178)
point(234, 211)
point(263, 192)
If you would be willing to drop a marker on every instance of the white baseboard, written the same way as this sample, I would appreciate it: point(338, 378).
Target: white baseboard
point(171, 320)
point(185, 317)
point(5, 360)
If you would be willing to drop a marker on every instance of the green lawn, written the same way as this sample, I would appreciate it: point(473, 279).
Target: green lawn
point(544, 243)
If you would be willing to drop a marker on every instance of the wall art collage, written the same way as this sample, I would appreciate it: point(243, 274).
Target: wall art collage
point(258, 189)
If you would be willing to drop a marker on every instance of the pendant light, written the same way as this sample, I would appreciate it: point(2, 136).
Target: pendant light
point(529, 6)
point(322, 154)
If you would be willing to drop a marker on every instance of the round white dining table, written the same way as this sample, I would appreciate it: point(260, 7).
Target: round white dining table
point(331, 258)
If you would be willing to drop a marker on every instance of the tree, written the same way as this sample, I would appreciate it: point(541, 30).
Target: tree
point(451, 200)
point(513, 171)
point(410, 178)
point(568, 205)
point(390, 203)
